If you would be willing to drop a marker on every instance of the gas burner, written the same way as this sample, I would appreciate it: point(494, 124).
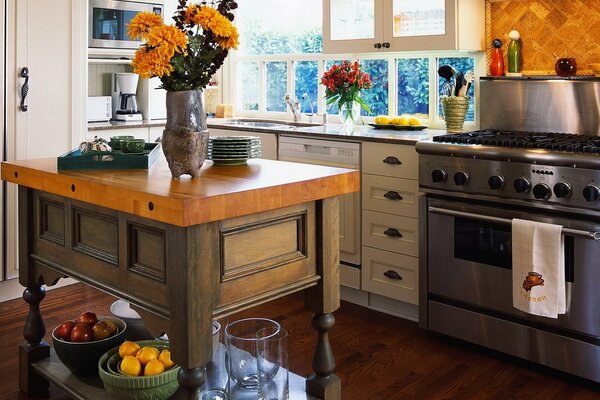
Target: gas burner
point(556, 142)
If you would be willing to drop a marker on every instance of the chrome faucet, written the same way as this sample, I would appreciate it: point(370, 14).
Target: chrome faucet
point(312, 110)
point(294, 106)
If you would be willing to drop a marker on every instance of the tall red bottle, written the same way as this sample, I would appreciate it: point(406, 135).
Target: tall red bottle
point(497, 64)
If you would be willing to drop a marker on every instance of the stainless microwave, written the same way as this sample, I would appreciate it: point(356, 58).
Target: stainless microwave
point(108, 20)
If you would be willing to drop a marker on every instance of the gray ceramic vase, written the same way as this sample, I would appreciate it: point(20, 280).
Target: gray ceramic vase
point(185, 138)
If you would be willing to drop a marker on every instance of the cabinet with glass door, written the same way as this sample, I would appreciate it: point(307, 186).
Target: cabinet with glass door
point(359, 26)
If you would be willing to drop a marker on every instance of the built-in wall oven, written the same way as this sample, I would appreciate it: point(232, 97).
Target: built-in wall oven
point(108, 20)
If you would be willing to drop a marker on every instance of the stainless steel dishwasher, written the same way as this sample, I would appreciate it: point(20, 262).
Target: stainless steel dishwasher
point(334, 154)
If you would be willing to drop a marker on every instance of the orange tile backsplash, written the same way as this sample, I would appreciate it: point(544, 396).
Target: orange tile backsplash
point(549, 29)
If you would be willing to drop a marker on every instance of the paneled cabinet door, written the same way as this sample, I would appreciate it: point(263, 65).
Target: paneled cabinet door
point(352, 26)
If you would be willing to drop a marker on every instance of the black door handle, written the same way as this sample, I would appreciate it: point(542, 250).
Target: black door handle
point(24, 88)
point(392, 160)
point(392, 275)
point(385, 45)
point(391, 195)
point(377, 45)
point(393, 232)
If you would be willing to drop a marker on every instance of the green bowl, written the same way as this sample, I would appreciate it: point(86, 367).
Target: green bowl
point(133, 145)
point(115, 141)
point(81, 358)
point(123, 387)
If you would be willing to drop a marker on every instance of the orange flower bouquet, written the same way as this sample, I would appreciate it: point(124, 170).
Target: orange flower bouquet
point(185, 55)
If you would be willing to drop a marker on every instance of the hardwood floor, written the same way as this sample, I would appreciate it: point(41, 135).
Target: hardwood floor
point(378, 356)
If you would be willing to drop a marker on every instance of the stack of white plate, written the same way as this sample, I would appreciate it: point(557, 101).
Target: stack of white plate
point(233, 150)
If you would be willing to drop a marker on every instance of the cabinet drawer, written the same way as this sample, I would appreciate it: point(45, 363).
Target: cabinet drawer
point(390, 160)
point(391, 232)
point(390, 195)
point(350, 276)
point(391, 275)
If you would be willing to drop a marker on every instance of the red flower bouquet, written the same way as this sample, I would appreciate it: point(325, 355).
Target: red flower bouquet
point(343, 84)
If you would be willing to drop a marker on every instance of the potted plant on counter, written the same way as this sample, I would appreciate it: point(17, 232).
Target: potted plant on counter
point(185, 56)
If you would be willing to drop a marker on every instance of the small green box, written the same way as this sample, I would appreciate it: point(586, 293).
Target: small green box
point(116, 159)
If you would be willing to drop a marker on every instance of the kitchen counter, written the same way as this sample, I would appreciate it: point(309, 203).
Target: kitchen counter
point(183, 252)
point(360, 133)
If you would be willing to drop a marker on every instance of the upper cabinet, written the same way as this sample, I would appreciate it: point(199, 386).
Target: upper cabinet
point(359, 26)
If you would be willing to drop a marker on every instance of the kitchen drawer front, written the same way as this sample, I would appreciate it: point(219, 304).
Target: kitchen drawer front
point(390, 195)
point(391, 232)
point(400, 161)
point(350, 276)
point(391, 275)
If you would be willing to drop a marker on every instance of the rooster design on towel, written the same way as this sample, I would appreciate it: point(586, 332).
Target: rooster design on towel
point(532, 279)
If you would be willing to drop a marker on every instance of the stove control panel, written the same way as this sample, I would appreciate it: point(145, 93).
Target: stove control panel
point(534, 182)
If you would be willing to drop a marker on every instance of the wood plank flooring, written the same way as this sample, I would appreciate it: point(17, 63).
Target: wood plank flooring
point(378, 356)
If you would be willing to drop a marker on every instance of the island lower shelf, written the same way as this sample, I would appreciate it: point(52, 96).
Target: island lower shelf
point(56, 372)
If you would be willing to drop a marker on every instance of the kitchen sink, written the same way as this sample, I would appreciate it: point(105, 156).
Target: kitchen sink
point(267, 123)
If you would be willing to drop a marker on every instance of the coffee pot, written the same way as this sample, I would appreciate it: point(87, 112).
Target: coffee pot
point(124, 97)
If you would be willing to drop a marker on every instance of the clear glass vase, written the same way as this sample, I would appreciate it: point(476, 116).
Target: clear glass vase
point(349, 114)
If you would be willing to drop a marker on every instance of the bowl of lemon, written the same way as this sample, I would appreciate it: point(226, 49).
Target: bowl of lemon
point(139, 371)
point(402, 122)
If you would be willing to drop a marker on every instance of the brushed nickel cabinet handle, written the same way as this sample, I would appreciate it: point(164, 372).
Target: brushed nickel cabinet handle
point(392, 195)
point(393, 232)
point(392, 160)
point(392, 275)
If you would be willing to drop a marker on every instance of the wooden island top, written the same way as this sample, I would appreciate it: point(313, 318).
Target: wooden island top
point(219, 193)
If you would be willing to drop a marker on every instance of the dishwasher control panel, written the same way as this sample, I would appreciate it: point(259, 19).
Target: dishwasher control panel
point(329, 151)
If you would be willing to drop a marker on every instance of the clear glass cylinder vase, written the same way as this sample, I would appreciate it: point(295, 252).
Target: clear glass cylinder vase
point(349, 113)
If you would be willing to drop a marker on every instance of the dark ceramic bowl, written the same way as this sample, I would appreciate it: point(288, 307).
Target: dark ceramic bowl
point(81, 358)
point(133, 145)
point(136, 329)
point(115, 141)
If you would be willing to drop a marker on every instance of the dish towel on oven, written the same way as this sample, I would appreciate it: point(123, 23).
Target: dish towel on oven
point(538, 262)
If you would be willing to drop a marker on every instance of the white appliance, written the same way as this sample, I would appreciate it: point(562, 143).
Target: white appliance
point(99, 108)
point(108, 20)
point(152, 99)
point(334, 154)
point(124, 88)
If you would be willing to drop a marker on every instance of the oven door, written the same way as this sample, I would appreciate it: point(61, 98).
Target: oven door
point(470, 264)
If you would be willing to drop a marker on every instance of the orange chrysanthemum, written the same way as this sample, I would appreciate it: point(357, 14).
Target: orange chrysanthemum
point(211, 19)
point(167, 39)
point(142, 23)
point(150, 63)
point(230, 42)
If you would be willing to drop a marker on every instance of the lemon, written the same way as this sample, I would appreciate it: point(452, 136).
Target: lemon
point(385, 120)
point(165, 358)
point(414, 121)
point(154, 367)
point(401, 121)
point(131, 366)
point(147, 354)
point(128, 348)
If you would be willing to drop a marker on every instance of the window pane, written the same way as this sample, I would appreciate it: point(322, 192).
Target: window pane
point(413, 86)
point(333, 109)
point(352, 19)
point(419, 18)
point(376, 97)
point(276, 27)
point(306, 73)
point(464, 65)
point(248, 83)
point(276, 81)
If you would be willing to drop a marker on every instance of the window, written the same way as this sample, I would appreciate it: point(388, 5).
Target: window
point(412, 76)
point(307, 85)
point(276, 80)
point(376, 97)
point(248, 80)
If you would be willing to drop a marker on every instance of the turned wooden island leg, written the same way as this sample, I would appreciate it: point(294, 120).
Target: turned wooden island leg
point(324, 299)
point(35, 349)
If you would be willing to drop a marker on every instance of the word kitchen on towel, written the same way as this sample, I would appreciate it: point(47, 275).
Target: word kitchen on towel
point(538, 267)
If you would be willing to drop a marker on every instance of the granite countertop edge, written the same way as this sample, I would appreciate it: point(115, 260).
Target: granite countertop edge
point(360, 133)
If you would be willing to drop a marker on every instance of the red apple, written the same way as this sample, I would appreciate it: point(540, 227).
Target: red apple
point(81, 333)
point(112, 326)
point(101, 331)
point(64, 330)
point(87, 317)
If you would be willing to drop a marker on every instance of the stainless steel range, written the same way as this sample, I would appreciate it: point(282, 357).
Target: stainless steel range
point(475, 183)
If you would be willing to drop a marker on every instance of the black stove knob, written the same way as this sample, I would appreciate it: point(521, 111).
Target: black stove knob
point(542, 191)
point(591, 192)
point(522, 185)
point(461, 178)
point(438, 175)
point(562, 189)
point(496, 182)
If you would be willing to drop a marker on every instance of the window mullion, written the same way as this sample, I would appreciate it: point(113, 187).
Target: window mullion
point(262, 106)
point(392, 85)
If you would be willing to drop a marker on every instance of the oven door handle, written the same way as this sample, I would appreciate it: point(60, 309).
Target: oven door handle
point(505, 221)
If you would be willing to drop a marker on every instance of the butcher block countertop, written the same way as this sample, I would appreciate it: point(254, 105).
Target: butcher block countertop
point(219, 193)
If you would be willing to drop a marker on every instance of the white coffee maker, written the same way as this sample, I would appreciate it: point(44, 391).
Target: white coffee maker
point(125, 108)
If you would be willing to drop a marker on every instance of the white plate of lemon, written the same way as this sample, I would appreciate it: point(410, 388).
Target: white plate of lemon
point(403, 123)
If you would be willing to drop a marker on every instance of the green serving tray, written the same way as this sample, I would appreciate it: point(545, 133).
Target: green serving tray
point(116, 159)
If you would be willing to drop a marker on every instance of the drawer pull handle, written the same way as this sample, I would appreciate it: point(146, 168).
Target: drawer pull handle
point(392, 275)
point(393, 232)
point(392, 160)
point(391, 195)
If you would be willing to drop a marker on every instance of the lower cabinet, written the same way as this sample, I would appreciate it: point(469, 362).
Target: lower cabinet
point(138, 133)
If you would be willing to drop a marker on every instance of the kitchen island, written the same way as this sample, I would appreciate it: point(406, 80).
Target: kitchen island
point(183, 252)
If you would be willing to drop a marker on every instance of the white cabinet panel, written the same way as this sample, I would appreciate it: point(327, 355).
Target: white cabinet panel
point(138, 133)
